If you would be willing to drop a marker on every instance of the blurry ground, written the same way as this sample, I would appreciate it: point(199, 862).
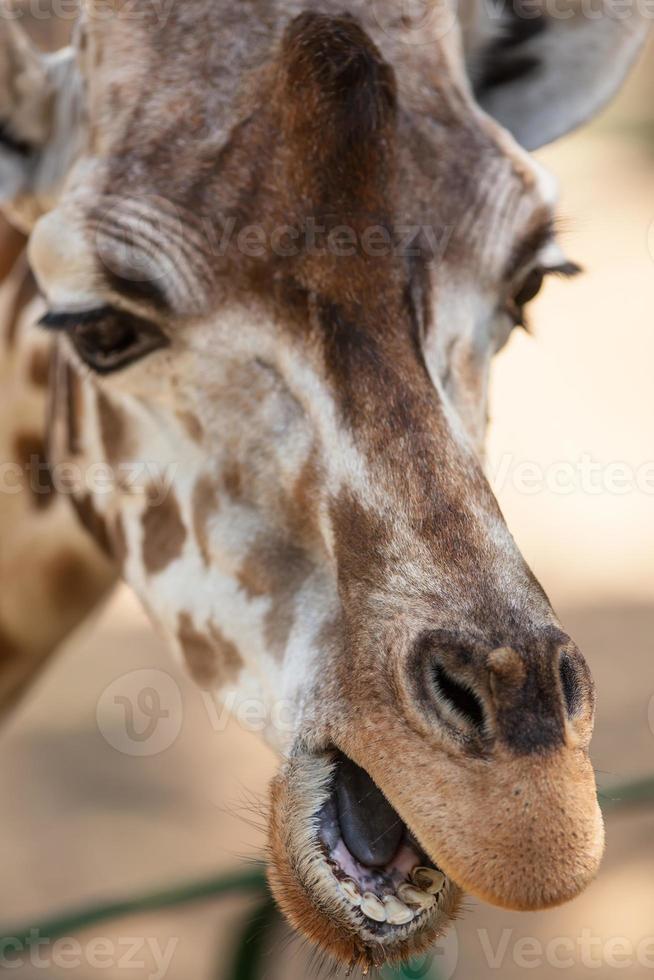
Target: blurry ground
point(80, 819)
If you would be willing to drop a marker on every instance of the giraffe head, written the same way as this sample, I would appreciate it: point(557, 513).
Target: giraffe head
point(278, 269)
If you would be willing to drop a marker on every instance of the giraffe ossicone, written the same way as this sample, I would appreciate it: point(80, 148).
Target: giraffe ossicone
point(277, 254)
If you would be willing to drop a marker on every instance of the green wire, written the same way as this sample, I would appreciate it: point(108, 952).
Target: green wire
point(631, 794)
point(414, 969)
point(251, 880)
point(250, 950)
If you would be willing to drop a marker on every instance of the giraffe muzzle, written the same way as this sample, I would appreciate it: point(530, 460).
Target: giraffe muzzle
point(496, 784)
point(472, 777)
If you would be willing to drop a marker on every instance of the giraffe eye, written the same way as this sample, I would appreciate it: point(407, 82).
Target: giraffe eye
point(530, 287)
point(107, 339)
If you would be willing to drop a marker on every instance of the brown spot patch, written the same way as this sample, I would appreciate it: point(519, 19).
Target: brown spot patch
point(39, 366)
point(278, 570)
point(213, 660)
point(93, 521)
point(71, 584)
point(12, 243)
point(362, 540)
point(114, 429)
point(233, 480)
point(30, 453)
point(303, 505)
point(164, 533)
point(73, 397)
point(119, 539)
point(8, 647)
point(204, 506)
point(192, 425)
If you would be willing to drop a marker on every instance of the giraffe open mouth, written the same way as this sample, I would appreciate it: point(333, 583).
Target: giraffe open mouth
point(378, 865)
point(347, 870)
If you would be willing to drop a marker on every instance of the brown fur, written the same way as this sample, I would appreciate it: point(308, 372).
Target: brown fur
point(30, 454)
point(9, 649)
point(233, 480)
point(69, 579)
point(119, 539)
point(93, 521)
point(12, 245)
point(192, 425)
point(39, 367)
point(74, 407)
point(164, 532)
point(114, 429)
point(212, 659)
point(277, 570)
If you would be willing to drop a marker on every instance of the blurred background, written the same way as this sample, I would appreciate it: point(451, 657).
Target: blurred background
point(571, 455)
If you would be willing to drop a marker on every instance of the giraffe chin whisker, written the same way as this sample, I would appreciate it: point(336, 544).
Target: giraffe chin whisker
point(381, 905)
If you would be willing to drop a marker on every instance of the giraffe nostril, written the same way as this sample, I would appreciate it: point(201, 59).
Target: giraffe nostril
point(570, 684)
point(458, 697)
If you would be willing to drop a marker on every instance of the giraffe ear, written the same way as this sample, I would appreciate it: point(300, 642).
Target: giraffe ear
point(39, 110)
point(542, 69)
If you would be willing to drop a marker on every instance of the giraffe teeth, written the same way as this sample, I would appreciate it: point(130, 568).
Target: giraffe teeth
point(396, 912)
point(428, 879)
point(372, 908)
point(415, 896)
point(350, 890)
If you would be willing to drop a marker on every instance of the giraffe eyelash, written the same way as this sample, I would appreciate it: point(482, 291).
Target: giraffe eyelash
point(107, 339)
point(517, 304)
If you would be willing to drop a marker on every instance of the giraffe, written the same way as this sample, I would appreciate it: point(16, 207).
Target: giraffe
point(275, 252)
